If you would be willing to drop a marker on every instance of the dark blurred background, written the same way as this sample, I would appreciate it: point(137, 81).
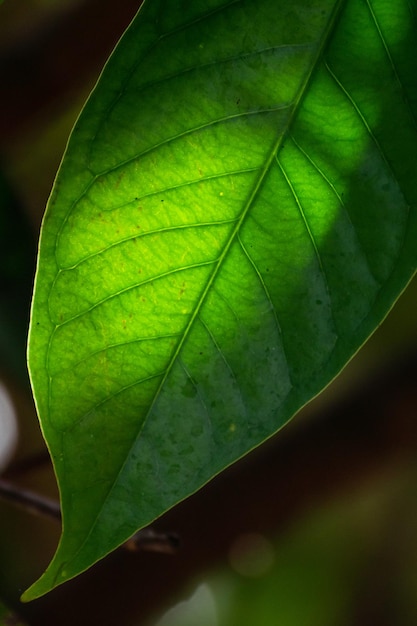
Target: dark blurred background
point(316, 527)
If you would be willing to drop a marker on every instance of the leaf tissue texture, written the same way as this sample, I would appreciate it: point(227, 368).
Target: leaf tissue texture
point(234, 215)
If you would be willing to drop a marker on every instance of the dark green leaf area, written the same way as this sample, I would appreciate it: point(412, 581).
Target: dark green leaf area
point(234, 215)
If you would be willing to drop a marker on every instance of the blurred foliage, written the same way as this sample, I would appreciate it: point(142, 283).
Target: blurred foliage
point(330, 570)
point(350, 562)
point(7, 618)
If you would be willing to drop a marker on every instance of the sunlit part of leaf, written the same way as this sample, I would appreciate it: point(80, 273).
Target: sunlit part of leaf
point(234, 215)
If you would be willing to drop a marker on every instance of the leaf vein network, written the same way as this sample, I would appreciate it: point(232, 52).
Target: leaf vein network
point(143, 235)
point(186, 183)
point(391, 60)
point(111, 396)
point(365, 123)
point(198, 392)
point(238, 386)
point(141, 57)
point(149, 150)
point(310, 234)
point(220, 351)
point(265, 289)
point(115, 346)
point(131, 288)
point(226, 60)
point(220, 295)
point(340, 200)
point(197, 20)
point(190, 131)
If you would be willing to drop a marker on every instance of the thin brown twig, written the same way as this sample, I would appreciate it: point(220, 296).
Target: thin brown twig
point(146, 539)
point(29, 501)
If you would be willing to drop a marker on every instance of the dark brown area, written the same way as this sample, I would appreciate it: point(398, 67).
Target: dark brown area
point(62, 53)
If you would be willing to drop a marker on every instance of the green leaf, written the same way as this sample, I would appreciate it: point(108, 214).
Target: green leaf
point(234, 215)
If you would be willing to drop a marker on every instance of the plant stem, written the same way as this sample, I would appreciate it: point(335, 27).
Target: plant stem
point(29, 501)
point(146, 539)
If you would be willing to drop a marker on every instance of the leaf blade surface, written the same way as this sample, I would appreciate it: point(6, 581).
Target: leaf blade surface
point(234, 215)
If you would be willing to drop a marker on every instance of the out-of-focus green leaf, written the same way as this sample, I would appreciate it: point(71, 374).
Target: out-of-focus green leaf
point(7, 618)
point(234, 215)
point(330, 567)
